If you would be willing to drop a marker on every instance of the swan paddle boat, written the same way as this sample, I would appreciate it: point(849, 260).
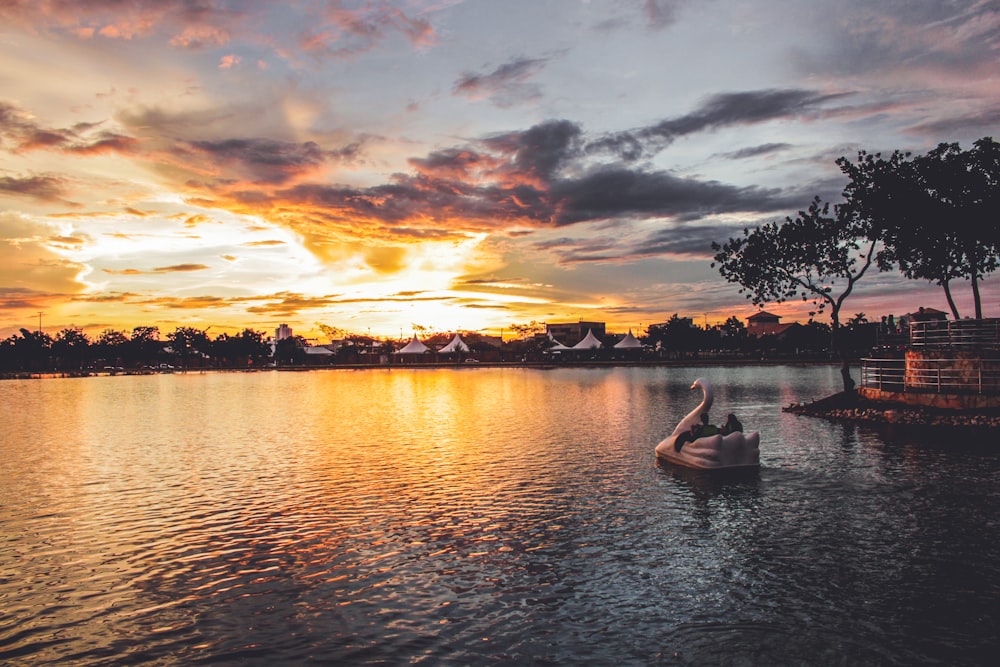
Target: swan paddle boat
point(710, 452)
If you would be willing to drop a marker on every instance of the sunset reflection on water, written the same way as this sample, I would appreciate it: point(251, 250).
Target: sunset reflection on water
point(505, 515)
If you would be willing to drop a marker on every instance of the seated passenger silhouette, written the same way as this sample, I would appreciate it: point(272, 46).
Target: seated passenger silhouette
point(732, 425)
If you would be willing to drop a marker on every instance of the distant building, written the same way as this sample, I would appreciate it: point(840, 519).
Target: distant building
point(571, 333)
point(765, 323)
point(282, 332)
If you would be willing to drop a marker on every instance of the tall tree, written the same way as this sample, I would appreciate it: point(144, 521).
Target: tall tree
point(814, 256)
point(936, 214)
point(33, 350)
point(677, 336)
point(252, 345)
point(71, 347)
point(145, 345)
point(187, 342)
point(112, 346)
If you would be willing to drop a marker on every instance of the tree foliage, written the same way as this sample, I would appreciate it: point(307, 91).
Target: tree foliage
point(187, 342)
point(815, 256)
point(527, 330)
point(936, 214)
point(71, 347)
point(677, 335)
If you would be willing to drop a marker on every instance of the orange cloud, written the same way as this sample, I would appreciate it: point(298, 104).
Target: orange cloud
point(193, 302)
point(263, 243)
point(194, 220)
point(200, 36)
point(181, 268)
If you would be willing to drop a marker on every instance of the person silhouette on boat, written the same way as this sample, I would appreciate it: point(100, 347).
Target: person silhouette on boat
point(732, 425)
point(706, 427)
point(697, 431)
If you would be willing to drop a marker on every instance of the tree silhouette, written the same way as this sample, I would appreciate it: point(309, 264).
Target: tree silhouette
point(33, 350)
point(71, 347)
point(936, 214)
point(112, 346)
point(814, 256)
point(187, 342)
point(145, 345)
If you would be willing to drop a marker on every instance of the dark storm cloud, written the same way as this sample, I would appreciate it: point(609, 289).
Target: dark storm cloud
point(106, 142)
point(985, 123)
point(45, 188)
point(539, 151)
point(534, 177)
point(687, 240)
point(755, 151)
point(683, 241)
point(410, 199)
point(242, 160)
point(505, 85)
point(267, 160)
point(725, 110)
point(453, 162)
point(18, 133)
point(619, 191)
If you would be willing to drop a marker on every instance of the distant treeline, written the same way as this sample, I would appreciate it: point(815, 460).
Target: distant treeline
point(73, 351)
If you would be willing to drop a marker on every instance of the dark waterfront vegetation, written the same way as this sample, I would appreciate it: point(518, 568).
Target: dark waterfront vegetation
point(679, 339)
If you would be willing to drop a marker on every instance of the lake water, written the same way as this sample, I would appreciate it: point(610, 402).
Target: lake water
point(481, 516)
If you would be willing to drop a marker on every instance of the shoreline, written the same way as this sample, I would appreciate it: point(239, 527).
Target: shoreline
point(850, 408)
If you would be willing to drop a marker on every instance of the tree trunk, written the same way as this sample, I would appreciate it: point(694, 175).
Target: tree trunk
point(974, 274)
point(845, 364)
point(977, 299)
point(951, 301)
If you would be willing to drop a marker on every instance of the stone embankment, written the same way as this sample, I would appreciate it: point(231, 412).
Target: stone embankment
point(848, 407)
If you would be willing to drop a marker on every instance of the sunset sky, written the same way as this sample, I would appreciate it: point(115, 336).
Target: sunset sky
point(392, 167)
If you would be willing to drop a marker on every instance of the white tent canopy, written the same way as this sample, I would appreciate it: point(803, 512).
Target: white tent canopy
point(456, 345)
point(413, 347)
point(628, 342)
point(558, 347)
point(589, 342)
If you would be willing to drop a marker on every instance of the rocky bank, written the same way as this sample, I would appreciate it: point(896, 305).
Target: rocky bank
point(849, 407)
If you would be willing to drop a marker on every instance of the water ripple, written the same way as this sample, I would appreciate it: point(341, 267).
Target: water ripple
point(503, 517)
